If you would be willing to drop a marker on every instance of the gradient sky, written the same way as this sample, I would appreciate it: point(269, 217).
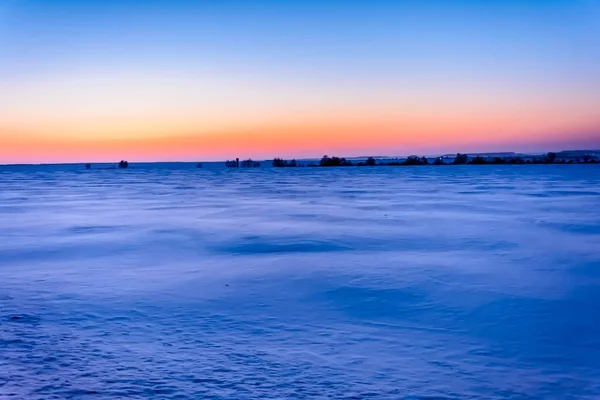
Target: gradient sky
point(103, 80)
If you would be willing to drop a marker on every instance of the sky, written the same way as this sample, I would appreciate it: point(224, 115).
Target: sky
point(169, 80)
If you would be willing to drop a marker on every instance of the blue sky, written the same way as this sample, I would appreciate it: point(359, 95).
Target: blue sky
point(283, 63)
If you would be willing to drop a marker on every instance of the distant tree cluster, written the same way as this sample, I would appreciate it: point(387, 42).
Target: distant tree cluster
point(586, 159)
point(281, 163)
point(550, 158)
point(249, 163)
point(334, 162)
point(369, 163)
point(415, 160)
point(459, 159)
point(478, 160)
point(410, 160)
point(123, 164)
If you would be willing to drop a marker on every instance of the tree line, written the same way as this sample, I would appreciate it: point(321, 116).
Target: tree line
point(459, 159)
point(249, 163)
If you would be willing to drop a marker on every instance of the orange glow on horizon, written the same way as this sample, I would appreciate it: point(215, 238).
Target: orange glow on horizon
point(359, 137)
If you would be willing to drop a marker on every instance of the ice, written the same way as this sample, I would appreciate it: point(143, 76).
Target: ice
point(451, 282)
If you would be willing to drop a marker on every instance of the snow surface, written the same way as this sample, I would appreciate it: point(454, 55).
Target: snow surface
point(345, 283)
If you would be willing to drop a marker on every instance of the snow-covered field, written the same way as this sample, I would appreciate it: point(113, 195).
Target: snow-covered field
point(352, 283)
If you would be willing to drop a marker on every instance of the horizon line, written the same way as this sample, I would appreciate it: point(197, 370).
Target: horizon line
point(290, 158)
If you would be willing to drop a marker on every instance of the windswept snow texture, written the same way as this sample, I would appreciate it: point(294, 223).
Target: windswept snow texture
point(351, 283)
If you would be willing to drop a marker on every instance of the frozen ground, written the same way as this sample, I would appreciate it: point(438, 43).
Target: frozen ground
point(371, 283)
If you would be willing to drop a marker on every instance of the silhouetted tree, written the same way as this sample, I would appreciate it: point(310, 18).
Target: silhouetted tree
point(461, 159)
point(330, 161)
point(550, 158)
point(334, 162)
point(123, 164)
point(424, 161)
point(279, 163)
point(478, 160)
point(412, 160)
point(370, 161)
point(439, 161)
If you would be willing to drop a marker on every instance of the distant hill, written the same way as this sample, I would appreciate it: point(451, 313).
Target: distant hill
point(578, 153)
